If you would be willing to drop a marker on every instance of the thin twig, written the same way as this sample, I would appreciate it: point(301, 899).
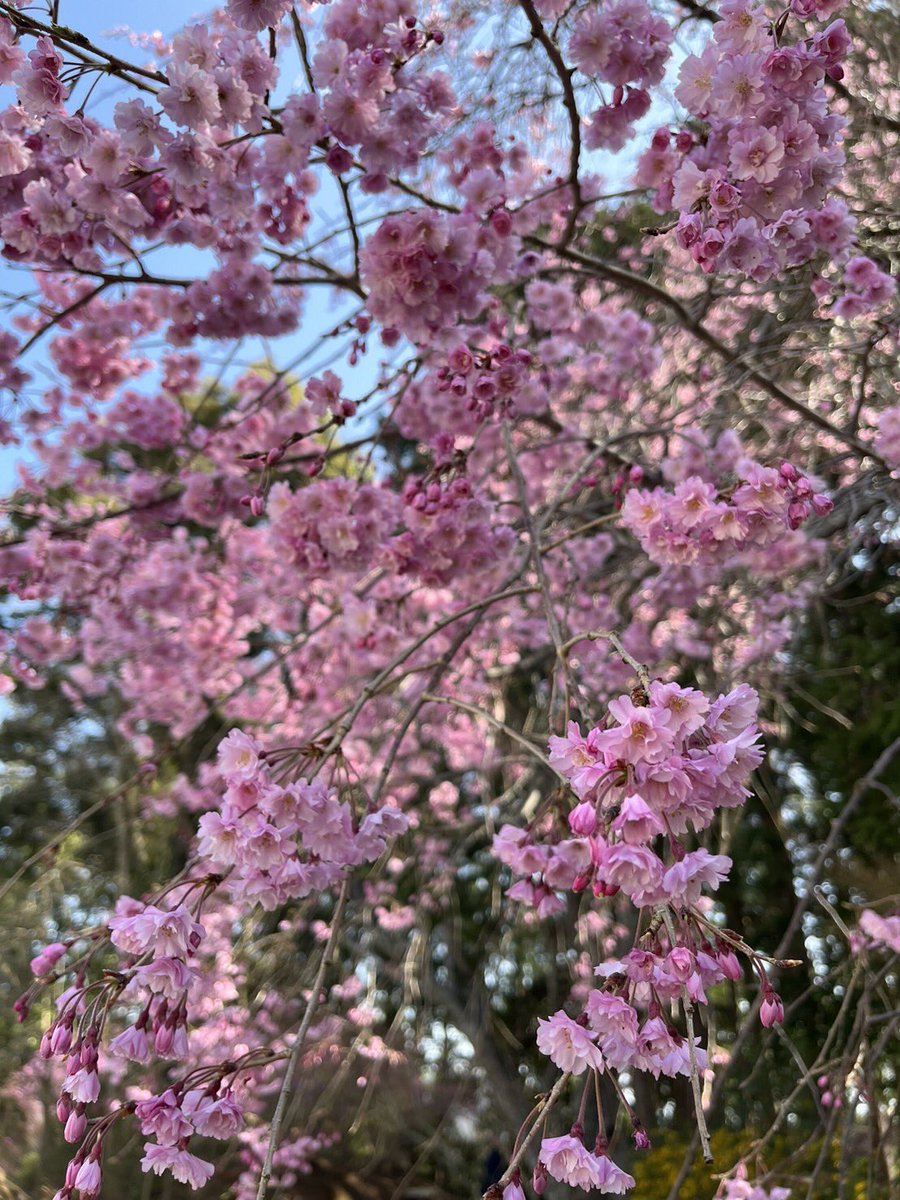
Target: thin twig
point(297, 1047)
point(687, 1005)
point(543, 1109)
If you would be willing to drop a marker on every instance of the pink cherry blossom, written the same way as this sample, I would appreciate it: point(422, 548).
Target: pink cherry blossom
point(569, 1045)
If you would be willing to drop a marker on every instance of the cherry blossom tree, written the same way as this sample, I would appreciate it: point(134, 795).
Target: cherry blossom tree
point(438, 429)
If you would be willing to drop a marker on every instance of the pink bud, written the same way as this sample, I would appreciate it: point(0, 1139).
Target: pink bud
point(501, 222)
point(797, 514)
point(583, 819)
point(75, 1125)
point(729, 965)
point(162, 1043)
point(539, 1179)
point(772, 1010)
point(789, 472)
point(43, 963)
point(61, 1037)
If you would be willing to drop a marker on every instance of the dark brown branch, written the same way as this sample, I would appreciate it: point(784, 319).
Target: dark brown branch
point(76, 43)
point(651, 291)
point(539, 33)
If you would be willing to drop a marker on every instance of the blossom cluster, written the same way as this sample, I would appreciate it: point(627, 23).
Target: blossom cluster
point(173, 1117)
point(698, 522)
point(751, 191)
point(448, 532)
point(274, 844)
point(156, 976)
point(667, 760)
point(627, 45)
point(152, 586)
point(426, 271)
point(740, 1187)
point(372, 98)
point(282, 842)
point(877, 931)
point(487, 380)
point(335, 526)
point(659, 768)
point(568, 1160)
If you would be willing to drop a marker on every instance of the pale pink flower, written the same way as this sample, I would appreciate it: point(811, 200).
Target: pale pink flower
point(567, 1044)
point(256, 15)
point(636, 870)
point(636, 822)
point(133, 1044)
point(185, 1167)
point(168, 977)
point(757, 155)
point(569, 1161)
point(83, 1085)
point(642, 734)
point(611, 1179)
point(684, 880)
point(238, 756)
point(220, 1119)
point(162, 1117)
point(577, 759)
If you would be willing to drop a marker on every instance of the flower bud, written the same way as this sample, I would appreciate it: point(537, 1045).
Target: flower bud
point(539, 1179)
point(772, 1010)
point(76, 1124)
point(583, 819)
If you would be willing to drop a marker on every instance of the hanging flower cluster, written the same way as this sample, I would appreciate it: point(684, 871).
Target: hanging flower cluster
point(699, 522)
point(281, 841)
point(664, 762)
point(751, 185)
